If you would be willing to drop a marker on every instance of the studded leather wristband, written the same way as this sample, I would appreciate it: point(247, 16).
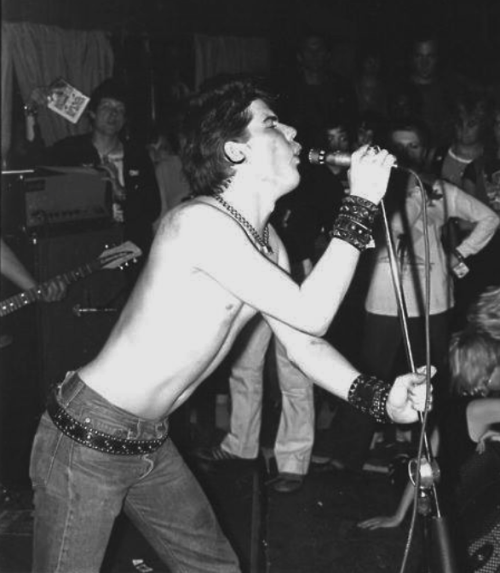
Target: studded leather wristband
point(355, 222)
point(369, 395)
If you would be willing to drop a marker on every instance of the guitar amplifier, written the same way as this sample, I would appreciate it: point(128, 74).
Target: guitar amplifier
point(70, 195)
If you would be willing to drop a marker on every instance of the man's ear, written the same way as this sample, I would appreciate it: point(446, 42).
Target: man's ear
point(234, 152)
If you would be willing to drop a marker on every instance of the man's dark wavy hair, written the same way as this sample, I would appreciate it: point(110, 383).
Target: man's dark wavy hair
point(216, 114)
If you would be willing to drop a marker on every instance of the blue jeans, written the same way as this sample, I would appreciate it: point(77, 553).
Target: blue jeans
point(79, 492)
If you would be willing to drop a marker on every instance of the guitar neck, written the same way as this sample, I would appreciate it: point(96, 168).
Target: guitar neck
point(27, 297)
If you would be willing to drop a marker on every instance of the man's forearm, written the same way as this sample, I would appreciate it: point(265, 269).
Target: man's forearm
point(397, 401)
point(317, 359)
point(328, 282)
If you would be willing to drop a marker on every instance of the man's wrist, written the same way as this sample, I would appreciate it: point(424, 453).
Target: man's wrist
point(369, 395)
point(355, 222)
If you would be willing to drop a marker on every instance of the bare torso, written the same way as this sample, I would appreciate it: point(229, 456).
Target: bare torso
point(175, 330)
point(206, 277)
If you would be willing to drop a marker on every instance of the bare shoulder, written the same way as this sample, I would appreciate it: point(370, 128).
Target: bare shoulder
point(206, 231)
point(181, 216)
point(198, 235)
point(192, 220)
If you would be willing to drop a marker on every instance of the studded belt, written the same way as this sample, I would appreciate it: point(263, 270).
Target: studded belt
point(92, 438)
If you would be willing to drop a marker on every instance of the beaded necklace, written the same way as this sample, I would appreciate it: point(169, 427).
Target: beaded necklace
point(263, 241)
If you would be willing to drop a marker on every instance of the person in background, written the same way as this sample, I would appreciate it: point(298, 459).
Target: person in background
point(134, 191)
point(434, 86)
point(404, 100)
point(172, 183)
point(371, 88)
point(481, 180)
point(472, 418)
point(407, 139)
point(450, 163)
point(295, 435)
point(484, 313)
point(482, 176)
point(382, 338)
point(470, 115)
point(368, 129)
point(316, 91)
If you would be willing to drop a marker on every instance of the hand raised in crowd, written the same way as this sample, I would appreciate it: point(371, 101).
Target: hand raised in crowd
point(369, 173)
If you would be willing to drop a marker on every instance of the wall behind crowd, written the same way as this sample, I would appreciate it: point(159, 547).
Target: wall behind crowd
point(156, 43)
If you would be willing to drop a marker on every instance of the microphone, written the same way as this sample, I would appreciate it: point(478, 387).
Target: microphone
point(334, 158)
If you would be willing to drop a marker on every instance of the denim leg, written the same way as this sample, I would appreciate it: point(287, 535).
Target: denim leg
point(246, 387)
point(80, 491)
point(295, 437)
point(170, 509)
point(75, 505)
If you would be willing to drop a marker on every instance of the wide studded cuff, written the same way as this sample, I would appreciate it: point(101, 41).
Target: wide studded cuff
point(352, 232)
point(355, 221)
point(369, 395)
point(360, 209)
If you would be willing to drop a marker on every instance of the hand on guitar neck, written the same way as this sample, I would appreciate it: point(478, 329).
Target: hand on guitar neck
point(14, 270)
point(52, 291)
point(55, 288)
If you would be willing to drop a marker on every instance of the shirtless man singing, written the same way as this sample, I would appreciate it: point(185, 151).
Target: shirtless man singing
point(102, 445)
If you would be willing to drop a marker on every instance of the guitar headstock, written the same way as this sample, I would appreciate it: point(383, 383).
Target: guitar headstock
point(120, 256)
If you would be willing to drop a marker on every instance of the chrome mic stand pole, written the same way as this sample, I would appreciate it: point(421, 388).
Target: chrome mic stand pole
point(425, 473)
point(401, 304)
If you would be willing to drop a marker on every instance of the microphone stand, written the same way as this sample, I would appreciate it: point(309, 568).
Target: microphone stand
point(423, 470)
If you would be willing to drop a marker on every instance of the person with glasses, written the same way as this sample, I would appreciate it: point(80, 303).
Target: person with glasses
point(126, 165)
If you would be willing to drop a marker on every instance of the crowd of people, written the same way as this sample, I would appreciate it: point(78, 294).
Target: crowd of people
point(247, 243)
point(445, 131)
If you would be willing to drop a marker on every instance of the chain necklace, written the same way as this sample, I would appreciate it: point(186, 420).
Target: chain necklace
point(263, 241)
